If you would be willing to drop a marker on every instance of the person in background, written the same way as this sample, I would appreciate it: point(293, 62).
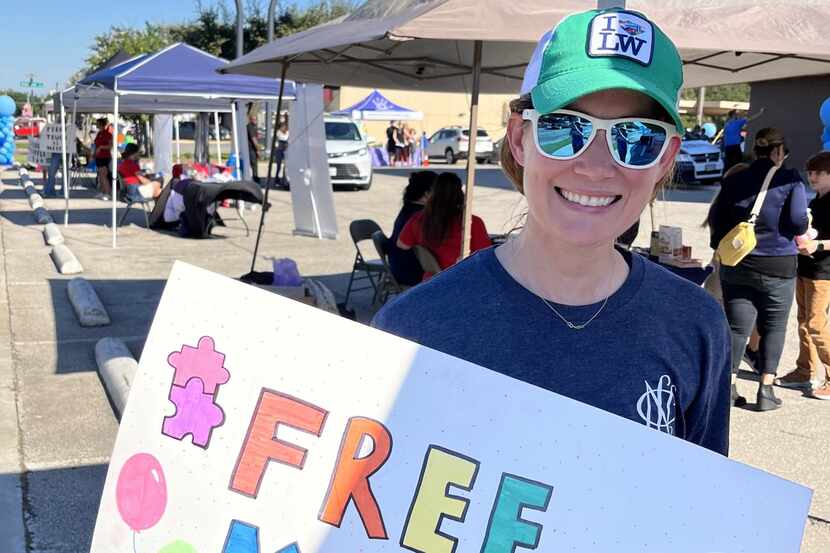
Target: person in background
point(812, 290)
point(759, 290)
point(253, 145)
point(403, 263)
point(391, 147)
point(438, 226)
point(55, 162)
point(732, 137)
point(403, 143)
point(103, 158)
point(282, 146)
point(132, 176)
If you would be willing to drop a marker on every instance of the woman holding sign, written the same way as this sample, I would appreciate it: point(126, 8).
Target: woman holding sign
point(558, 305)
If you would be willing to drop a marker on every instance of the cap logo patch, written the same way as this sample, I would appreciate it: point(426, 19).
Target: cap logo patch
point(621, 34)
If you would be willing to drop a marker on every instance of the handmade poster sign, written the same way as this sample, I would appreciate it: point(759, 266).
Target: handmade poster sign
point(51, 140)
point(262, 425)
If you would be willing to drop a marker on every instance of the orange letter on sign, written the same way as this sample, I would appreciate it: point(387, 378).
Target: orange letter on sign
point(350, 479)
point(261, 443)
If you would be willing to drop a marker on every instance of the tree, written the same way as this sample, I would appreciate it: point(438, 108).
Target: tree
point(20, 99)
point(131, 41)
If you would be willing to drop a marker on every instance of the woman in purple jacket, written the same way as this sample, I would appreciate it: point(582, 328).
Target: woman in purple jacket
point(762, 285)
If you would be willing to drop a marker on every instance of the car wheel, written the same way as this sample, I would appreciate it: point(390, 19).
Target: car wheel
point(450, 155)
point(368, 185)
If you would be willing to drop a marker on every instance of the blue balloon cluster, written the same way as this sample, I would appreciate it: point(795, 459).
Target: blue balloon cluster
point(824, 113)
point(7, 109)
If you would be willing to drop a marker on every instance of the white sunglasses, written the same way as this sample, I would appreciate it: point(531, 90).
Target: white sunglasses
point(634, 142)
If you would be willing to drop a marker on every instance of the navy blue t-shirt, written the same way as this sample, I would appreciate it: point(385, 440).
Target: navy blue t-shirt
point(657, 354)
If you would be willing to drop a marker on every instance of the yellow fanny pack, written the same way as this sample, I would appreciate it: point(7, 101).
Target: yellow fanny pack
point(741, 240)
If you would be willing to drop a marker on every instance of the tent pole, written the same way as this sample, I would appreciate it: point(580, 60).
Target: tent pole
point(235, 142)
point(114, 180)
point(64, 164)
point(75, 130)
point(272, 7)
point(271, 155)
point(471, 151)
point(218, 138)
point(178, 142)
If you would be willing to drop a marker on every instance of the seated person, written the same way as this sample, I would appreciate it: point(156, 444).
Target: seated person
point(131, 174)
point(174, 206)
point(438, 226)
point(403, 263)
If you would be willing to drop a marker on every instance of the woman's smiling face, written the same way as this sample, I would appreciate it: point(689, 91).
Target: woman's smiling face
point(557, 191)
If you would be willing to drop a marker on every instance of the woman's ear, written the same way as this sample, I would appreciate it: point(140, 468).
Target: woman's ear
point(515, 136)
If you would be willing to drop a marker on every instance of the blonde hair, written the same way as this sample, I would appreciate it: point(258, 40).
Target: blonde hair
point(515, 172)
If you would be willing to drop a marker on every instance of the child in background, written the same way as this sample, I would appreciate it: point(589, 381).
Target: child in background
point(131, 174)
point(812, 291)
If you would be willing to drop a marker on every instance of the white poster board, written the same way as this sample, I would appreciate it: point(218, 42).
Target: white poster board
point(163, 143)
point(35, 155)
point(307, 166)
point(369, 443)
point(50, 138)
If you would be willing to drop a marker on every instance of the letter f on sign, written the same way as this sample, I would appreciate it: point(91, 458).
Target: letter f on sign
point(261, 444)
point(507, 528)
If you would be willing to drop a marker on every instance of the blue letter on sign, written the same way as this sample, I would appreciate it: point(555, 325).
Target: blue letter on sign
point(244, 538)
point(507, 528)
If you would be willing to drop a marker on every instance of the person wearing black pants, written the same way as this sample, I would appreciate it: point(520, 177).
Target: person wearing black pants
point(760, 288)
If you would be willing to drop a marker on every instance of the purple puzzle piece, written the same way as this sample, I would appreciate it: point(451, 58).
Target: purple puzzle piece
point(196, 414)
point(202, 362)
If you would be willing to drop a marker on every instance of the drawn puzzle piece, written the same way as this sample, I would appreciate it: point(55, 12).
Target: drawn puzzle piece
point(202, 362)
point(196, 414)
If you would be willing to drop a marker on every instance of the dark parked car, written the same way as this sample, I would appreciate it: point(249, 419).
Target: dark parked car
point(187, 130)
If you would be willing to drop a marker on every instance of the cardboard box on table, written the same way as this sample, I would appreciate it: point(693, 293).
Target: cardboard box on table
point(310, 433)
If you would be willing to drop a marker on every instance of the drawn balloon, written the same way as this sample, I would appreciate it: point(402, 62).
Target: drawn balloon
point(141, 492)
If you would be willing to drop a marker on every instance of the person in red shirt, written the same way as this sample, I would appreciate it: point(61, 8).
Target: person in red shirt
point(438, 226)
point(131, 174)
point(103, 157)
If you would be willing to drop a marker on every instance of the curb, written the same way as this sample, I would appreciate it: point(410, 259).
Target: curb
point(35, 200)
point(88, 307)
point(117, 368)
point(42, 216)
point(52, 234)
point(65, 260)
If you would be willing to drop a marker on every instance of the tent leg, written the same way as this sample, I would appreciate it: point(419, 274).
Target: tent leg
point(178, 142)
point(271, 155)
point(65, 165)
point(236, 142)
point(471, 151)
point(114, 180)
point(218, 138)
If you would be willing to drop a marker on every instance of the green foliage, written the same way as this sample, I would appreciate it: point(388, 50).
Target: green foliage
point(725, 92)
point(20, 99)
point(213, 29)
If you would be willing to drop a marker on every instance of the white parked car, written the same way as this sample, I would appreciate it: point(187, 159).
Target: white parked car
point(699, 161)
point(350, 162)
point(453, 143)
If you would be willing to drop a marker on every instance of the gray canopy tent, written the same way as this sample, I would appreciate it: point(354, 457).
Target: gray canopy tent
point(484, 45)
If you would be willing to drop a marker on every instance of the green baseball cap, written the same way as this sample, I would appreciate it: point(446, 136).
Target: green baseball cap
point(602, 49)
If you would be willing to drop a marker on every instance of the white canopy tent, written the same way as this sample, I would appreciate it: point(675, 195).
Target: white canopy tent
point(484, 45)
point(177, 79)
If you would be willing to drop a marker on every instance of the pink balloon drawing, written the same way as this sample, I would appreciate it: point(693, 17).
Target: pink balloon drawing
point(141, 492)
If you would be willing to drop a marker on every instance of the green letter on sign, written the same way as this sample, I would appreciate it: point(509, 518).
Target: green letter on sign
point(507, 528)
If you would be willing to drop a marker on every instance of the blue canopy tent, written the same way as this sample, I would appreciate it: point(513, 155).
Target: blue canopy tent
point(377, 107)
point(177, 79)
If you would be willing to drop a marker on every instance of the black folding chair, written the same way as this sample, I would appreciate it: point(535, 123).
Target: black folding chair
point(363, 269)
point(131, 197)
point(388, 284)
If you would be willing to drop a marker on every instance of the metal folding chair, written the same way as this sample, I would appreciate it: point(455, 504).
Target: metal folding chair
point(363, 269)
point(388, 284)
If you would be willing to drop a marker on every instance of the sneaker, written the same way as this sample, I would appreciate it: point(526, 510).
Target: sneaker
point(822, 392)
point(795, 379)
point(766, 400)
point(105, 197)
point(751, 359)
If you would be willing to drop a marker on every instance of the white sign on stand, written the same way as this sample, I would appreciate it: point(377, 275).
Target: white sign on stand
point(244, 433)
point(51, 142)
point(307, 166)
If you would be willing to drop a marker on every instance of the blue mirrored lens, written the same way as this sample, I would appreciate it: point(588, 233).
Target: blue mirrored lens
point(637, 143)
point(562, 135)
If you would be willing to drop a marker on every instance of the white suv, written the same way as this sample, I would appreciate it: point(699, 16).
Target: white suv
point(350, 162)
point(699, 161)
point(452, 143)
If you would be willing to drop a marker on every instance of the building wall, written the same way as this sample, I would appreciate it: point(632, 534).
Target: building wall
point(440, 109)
point(792, 106)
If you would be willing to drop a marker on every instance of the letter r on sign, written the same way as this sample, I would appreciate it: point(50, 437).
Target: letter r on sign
point(261, 444)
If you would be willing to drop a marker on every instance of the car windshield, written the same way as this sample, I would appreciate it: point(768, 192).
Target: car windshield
point(481, 132)
point(342, 131)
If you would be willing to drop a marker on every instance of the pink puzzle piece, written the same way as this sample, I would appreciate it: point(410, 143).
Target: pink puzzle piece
point(202, 362)
point(196, 414)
